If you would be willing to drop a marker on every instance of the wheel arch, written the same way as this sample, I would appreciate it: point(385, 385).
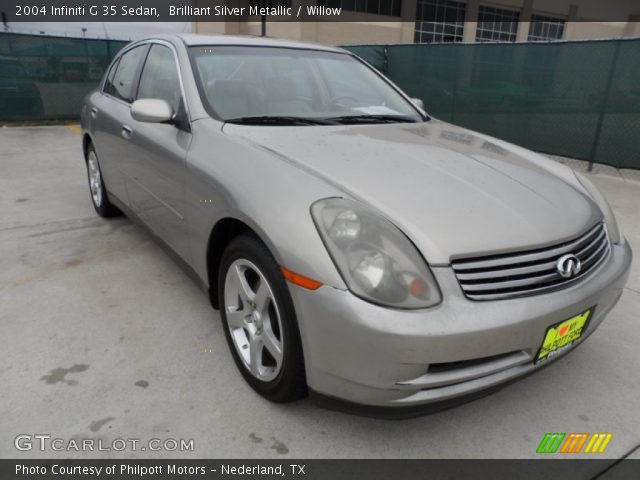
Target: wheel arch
point(223, 232)
point(86, 141)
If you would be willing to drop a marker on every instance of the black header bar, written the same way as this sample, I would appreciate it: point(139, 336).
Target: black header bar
point(288, 469)
point(255, 10)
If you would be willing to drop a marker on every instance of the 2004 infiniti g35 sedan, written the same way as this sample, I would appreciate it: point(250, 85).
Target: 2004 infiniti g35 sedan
point(355, 246)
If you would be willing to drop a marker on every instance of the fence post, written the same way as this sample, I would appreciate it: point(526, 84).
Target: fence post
point(385, 64)
point(603, 107)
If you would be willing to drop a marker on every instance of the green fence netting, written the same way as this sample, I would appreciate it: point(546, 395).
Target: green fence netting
point(576, 99)
point(45, 77)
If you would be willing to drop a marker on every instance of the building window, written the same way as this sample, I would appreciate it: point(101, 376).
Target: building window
point(439, 21)
point(544, 28)
point(270, 3)
point(497, 24)
point(390, 8)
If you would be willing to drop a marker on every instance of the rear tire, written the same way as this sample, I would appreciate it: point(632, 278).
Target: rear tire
point(259, 321)
point(97, 189)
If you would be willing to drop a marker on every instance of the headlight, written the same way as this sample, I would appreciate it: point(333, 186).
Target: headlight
point(609, 217)
point(376, 260)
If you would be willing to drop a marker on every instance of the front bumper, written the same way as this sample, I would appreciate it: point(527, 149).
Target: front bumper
point(375, 356)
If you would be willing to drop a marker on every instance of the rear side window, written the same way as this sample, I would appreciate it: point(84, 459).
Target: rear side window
point(160, 77)
point(124, 79)
point(108, 83)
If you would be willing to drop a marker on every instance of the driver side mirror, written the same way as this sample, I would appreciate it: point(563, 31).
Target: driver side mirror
point(152, 110)
point(418, 103)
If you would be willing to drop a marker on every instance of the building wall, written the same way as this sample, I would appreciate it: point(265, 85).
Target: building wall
point(582, 30)
point(585, 19)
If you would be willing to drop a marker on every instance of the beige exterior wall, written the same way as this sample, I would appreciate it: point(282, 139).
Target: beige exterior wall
point(329, 33)
point(335, 33)
point(582, 30)
point(585, 20)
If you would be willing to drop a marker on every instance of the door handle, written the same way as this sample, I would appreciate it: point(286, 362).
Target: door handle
point(127, 131)
point(94, 112)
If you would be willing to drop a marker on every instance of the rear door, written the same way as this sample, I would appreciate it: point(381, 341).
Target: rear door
point(156, 182)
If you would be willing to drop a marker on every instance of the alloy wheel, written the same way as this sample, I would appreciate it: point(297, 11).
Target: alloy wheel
point(95, 180)
point(254, 320)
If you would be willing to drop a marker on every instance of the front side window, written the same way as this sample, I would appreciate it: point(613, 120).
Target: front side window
point(125, 76)
point(239, 82)
point(159, 77)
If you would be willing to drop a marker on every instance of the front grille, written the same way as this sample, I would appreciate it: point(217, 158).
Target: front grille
point(531, 272)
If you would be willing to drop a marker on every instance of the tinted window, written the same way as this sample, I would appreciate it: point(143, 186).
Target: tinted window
point(124, 79)
point(108, 83)
point(160, 77)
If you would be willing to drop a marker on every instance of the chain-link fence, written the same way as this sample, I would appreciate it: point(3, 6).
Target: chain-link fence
point(576, 99)
point(45, 77)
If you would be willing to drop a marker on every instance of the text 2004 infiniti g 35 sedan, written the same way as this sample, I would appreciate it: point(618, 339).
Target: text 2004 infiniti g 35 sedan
point(354, 245)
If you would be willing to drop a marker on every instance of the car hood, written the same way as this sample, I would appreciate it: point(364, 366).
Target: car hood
point(455, 193)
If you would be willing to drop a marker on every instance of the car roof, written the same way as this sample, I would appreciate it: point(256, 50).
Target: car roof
point(191, 39)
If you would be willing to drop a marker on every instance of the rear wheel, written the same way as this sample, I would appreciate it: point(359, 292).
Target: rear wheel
point(97, 189)
point(259, 321)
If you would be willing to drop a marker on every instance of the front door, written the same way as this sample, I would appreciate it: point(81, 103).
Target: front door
point(156, 184)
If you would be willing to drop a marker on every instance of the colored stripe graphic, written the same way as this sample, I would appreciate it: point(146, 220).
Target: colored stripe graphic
point(550, 442)
point(598, 443)
point(581, 442)
point(574, 443)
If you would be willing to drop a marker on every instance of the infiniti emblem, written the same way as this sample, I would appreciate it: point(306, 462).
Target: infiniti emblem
point(568, 266)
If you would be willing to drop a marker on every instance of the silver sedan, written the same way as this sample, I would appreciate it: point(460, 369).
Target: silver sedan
point(356, 247)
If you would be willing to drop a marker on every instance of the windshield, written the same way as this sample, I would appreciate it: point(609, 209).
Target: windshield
point(264, 83)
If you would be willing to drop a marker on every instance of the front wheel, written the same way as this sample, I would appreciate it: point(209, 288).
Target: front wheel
point(259, 321)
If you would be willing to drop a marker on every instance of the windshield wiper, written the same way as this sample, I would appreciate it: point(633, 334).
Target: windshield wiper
point(279, 120)
point(355, 119)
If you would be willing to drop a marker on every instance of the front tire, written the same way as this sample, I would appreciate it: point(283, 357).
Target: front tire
point(98, 191)
point(259, 321)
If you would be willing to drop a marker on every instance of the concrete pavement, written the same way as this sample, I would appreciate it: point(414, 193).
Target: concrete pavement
point(103, 336)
